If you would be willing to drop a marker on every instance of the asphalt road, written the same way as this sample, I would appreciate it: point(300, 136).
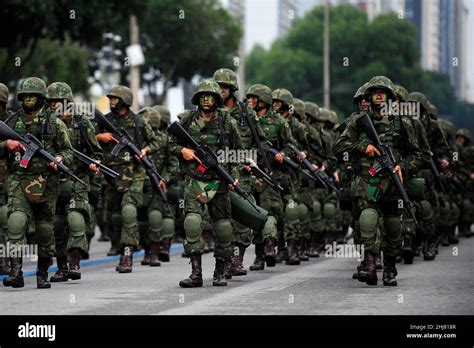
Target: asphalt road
point(320, 286)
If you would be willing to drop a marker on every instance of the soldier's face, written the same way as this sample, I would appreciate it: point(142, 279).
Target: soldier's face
point(30, 100)
point(460, 140)
point(252, 101)
point(277, 104)
point(113, 102)
point(364, 105)
point(206, 102)
point(379, 97)
point(225, 91)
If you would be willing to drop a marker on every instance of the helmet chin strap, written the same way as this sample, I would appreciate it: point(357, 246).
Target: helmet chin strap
point(118, 106)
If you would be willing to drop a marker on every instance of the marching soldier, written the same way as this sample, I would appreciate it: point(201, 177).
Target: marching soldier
point(33, 191)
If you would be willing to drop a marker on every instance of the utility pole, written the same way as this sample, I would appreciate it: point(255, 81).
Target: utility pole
point(326, 56)
point(134, 69)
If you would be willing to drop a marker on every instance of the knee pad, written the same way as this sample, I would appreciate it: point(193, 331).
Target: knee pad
point(116, 220)
point(392, 224)
point(444, 213)
point(76, 222)
point(368, 219)
point(193, 226)
point(302, 211)
point(155, 219)
point(129, 214)
point(270, 227)
point(426, 210)
point(168, 228)
point(317, 210)
point(329, 211)
point(223, 229)
point(17, 225)
point(291, 212)
point(44, 232)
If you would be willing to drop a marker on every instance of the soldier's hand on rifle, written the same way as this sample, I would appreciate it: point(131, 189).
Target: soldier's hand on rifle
point(398, 170)
point(279, 157)
point(143, 153)
point(371, 151)
point(106, 137)
point(232, 186)
point(336, 177)
point(189, 155)
point(472, 176)
point(54, 165)
point(94, 168)
point(247, 169)
point(15, 146)
point(444, 164)
point(315, 166)
point(302, 157)
point(163, 186)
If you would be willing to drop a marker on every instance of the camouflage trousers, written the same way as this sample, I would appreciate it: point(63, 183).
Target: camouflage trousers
point(220, 217)
point(72, 216)
point(378, 215)
point(21, 212)
point(155, 223)
point(241, 234)
point(271, 201)
point(122, 211)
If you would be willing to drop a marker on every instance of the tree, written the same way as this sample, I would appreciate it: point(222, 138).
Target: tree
point(181, 39)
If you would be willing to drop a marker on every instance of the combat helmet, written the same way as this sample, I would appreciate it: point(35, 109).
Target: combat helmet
point(299, 109)
point(226, 76)
point(152, 115)
point(419, 97)
point(32, 85)
point(207, 86)
point(4, 92)
point(262, 92)
point(311, 110)
point(122, 92)
point(381, 82)
point(401, 92)
point(463, 132)
point(283, 95)
point(164, 112)
point(360, 93)
point(60, 90)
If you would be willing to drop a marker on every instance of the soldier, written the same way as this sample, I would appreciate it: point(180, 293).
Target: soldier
point(283, 104)
point(124, 194)
point(4, 114)
point(242, 235)
point(33, 191)
point(466, 150)
point(375, 195)
point(213, 127)
point(277, 131)
point(73, 212)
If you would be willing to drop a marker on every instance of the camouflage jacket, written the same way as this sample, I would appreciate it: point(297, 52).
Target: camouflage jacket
point(50, 130)
point(396, 132)
point(320, 148)
point(166, 163)
point(142, 136)
point(209, 134)
point(93, 150)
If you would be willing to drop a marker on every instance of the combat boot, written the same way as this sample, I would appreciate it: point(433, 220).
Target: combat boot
point(378, 262)
point(445, 238)
point(74, 264)
point(407, 251)
point(367, 273)
point(389, 271)
point(281, 251)
point(269, 252)
point(154, 261)
point(292, 256)
point(238, 263)
point(429, 249)
point(42, 273)
point(164, 250)
point(219, 277)
point(313, 247)
point(113, 251)
point(453, 239)
point(104, 234)
point(119, 266)
point(195, 279)
point(228, 269)
point(127, 260)
point(258, 263)
point(301, 249)
point(4, 266)
point(355, 275)
point(146, 257)
point(15, 279)
point(61, 275)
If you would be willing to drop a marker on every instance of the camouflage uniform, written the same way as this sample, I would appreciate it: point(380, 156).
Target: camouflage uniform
point(207, 188)
point(124, 194)
point(297, 220)
point(4, 268)
point(242, 235)
point(376, 196)
point(278, 132)
point(466, 151)
point(73, 211)
point(33, 191)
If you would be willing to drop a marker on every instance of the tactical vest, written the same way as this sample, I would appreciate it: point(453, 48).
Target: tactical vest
point(44, 129)
point(134, 126)
point(245, 133)
point(215, 135)
point(271, 128)
point(389, 131)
